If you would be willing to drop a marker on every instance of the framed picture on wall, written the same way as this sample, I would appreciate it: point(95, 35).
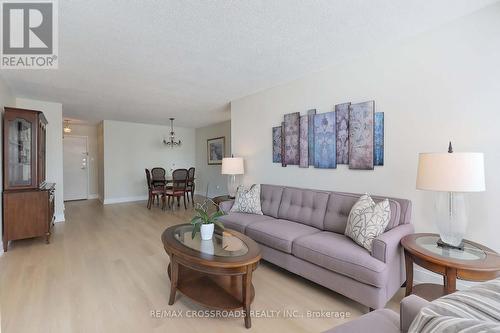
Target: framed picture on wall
point(215, 150)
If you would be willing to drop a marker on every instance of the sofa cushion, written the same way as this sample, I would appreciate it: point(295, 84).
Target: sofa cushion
point(239, 221)
point(270, 199)
point(340, 254)
point(367, 221)
point(340, 204)
point(278, 234)
point(303, 206)
point(247, 200)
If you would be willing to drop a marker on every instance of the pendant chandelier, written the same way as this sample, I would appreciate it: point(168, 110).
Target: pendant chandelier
point(171, 142)
point(66, 128)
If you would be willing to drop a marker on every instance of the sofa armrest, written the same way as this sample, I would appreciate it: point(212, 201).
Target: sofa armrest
point(386, 246)
point(409, 309)
point(225, 206)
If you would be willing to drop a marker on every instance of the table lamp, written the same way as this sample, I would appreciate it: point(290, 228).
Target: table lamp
point(456, 174)
point(232, 166)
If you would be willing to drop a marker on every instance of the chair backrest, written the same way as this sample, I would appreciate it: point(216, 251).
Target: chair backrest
point(148, 178)
point(158, 175)
point(179, 179)
point(191, 173)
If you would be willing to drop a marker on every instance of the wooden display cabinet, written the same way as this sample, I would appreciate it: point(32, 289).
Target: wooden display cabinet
point(28, 200)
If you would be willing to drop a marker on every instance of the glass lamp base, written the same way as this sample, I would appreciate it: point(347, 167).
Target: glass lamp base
point(232, 186)
point(442, 244)
point(451, 218)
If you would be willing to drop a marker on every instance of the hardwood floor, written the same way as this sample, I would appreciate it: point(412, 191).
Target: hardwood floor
point(105, 271)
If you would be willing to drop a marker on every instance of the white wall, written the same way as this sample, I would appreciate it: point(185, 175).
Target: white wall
point(53, 113)
point(129, 148)
point(6, 99)
point(89, 131)
point(210, 174)
point(440, 86)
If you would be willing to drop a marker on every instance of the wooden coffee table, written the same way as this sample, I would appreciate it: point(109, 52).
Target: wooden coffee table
point(215, 273)
point(475, 263)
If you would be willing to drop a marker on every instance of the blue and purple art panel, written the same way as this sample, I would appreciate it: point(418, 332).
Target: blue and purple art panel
point(342, 123)
point(277, 144)
point(361, 145)
point(292, 139)
point(303, 142)
point(325, 141)
point(310, 134)
point(378, 158)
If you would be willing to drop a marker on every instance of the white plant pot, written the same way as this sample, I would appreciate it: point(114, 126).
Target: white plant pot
point(207, 231)
point(207, 246)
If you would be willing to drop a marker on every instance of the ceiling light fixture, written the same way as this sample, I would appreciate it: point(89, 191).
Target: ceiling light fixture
point(171, 142)
point(66, 128)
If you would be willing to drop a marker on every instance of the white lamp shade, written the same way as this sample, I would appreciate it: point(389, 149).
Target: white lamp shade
point(232, 166)
point(451, 172)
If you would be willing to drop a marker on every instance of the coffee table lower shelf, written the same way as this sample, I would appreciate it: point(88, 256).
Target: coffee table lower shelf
point(429, 291)
point(222, 292)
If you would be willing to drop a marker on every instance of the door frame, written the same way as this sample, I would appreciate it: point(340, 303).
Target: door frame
point(88, 164)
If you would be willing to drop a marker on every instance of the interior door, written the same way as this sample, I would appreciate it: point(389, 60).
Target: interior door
point(76, 176)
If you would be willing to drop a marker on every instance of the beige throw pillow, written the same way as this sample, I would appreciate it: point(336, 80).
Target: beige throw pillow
point(247, 200)
point(367, 220)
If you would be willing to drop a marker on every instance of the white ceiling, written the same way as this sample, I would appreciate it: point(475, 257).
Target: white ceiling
point(145, 61)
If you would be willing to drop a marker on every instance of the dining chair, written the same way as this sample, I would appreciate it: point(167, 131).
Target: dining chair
point(153, 191)
point(190, 184)
point(178, 189)
point(158, 176)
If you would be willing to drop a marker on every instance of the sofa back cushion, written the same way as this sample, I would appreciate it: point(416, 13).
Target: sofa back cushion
point(340, 204)
point(303, 206)
point(270, 199)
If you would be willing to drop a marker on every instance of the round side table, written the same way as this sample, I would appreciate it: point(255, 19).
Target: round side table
point(474, 263)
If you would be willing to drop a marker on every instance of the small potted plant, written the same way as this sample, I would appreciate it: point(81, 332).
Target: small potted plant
point(204, 222)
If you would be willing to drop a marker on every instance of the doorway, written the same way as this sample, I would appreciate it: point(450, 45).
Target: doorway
point(76, 171)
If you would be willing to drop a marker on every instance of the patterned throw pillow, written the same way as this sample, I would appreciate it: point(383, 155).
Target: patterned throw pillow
point(367, 220)
point(247, 200)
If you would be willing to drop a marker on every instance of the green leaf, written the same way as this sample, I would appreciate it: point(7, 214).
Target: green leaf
point(195, 220)
point(196, 228)
point(216, 215)
point(219, 224)
point(203, 214)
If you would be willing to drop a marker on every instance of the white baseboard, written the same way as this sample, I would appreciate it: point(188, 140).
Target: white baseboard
point(59, 218)
point(109, 201)
point(421, 275)
point(93, 196)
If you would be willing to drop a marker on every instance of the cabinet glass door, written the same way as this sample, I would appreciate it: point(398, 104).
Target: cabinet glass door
point(19, 158)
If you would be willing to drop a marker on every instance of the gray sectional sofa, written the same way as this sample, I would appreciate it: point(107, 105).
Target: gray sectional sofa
point(302, 231)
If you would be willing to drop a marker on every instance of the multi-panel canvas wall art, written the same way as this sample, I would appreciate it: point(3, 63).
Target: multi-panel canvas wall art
point(361, 120)
point(342, 123)
point(352, 134)
point(378, 158)
point(292, 128)
point(277, 144)
point(283, 163)
point(303, 142)
point(310, 135)
point(325, 140)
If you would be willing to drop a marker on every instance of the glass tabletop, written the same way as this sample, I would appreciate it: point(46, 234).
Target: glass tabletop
point(224, 245)
point(470, 252)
